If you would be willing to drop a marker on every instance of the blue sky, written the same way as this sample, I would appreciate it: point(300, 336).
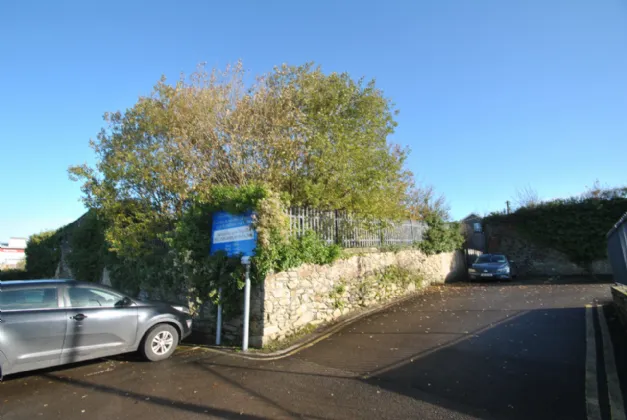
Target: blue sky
point(493, 95)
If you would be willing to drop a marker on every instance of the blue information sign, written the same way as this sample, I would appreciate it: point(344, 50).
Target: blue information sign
point(233, 234)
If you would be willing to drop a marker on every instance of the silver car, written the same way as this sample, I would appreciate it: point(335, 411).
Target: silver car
point(46, 323)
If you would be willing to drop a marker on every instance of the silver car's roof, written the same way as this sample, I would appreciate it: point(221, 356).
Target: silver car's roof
point(37, 282)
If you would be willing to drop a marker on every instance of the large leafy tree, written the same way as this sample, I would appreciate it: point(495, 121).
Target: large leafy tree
point(320, 139)
point(423, 201)
point(347, 162)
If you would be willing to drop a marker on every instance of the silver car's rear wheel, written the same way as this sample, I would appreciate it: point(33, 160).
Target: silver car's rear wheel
point(160, 342)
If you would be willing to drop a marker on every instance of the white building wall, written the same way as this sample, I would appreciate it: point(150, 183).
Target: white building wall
point(12, 253)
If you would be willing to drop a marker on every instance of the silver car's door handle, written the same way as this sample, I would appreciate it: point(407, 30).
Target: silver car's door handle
point(79, 317)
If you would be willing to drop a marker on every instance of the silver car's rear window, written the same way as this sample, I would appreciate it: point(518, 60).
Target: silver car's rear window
point(15, 299)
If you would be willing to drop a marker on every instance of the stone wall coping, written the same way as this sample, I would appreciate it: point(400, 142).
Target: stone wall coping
point(620, 288)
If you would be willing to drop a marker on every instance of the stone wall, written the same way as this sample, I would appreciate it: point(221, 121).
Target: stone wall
point(533, 259)
point(311, 295)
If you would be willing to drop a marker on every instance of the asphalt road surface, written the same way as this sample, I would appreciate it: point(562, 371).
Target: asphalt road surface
point(489, 351)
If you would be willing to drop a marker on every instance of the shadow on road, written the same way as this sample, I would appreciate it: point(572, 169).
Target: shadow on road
point(516, 360)
point(151, 399)
point(527, 366)
point(524, 365)
point(126, 357)
point(254, 393)
point(240, 393)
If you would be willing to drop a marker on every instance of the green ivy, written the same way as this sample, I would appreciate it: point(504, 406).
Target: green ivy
point(283, 255)
point(276, 251)
point(178, 259)
point(382, 282)
point(217, 272)
point(337, 294)
point(399, 276)
point(233, 199)
point(395, 248)
point(577, 226)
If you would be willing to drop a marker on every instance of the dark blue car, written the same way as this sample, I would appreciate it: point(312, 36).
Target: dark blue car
point(492, 266)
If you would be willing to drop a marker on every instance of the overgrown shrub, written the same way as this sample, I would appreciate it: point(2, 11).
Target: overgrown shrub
point(43, 253)
point(440, 236)
point(577, 226)
point(213, 142)
point(283, 255)
point(88, 250)
point(382, 282)
point(8, 274)
point(176, 263)
point(276, 250)
point(399, 276)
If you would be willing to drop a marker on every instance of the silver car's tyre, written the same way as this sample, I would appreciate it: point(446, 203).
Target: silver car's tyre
point(160, 342)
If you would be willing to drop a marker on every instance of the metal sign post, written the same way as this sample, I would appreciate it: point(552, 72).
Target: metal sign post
point(219, 319)
point(246, 263)
point(234, 235)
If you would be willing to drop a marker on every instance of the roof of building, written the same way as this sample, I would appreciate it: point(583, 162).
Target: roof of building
point(471, 216)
